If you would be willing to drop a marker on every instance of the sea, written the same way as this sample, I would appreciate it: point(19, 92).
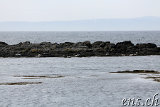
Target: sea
point(80, 36)
point(77, 82)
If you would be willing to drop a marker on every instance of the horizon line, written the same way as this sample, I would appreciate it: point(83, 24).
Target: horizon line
point(81, 19)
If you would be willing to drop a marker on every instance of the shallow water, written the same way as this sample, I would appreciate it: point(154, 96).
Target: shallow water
point(86, 81)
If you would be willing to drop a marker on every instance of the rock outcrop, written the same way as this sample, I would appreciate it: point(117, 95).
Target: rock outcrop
point(79, 49)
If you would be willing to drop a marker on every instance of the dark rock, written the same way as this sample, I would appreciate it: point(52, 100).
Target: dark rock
point(109, 46)
point(146, 45)
point(65, 45)
point(97, 44)
point(124, 44)
point(79, 49)
point(124, 47)
point(87, 43)
point(3, 44)
point(80, 45)
point(102, 45)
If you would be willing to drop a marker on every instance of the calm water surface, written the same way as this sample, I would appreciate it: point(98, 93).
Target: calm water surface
point(86, 82)
point(36, 37)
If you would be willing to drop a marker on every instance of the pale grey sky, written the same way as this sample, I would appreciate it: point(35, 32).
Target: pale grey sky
point(53, 10)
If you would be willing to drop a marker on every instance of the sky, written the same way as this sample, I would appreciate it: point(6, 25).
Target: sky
point(64, 10)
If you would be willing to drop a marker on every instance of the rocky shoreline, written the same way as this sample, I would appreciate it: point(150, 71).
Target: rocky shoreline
point(79, 49)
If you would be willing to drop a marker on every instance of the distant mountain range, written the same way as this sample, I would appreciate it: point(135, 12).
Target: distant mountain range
point(132, 24)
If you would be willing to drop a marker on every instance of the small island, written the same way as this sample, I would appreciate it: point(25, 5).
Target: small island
point(79, 49)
